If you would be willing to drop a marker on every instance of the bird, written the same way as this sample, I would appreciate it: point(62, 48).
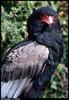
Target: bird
point(29, 65)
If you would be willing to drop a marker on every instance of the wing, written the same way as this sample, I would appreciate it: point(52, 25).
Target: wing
point(22, 64)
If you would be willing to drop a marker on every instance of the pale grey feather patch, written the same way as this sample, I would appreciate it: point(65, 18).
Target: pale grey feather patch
point(4, 89)
point(28, 61)
point(8, 88)
point(20, 88)
point(14, 88)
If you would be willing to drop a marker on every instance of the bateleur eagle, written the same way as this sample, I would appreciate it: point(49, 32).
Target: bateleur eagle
point(30, 64)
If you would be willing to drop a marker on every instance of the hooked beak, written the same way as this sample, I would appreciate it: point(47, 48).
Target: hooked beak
point(50, 20)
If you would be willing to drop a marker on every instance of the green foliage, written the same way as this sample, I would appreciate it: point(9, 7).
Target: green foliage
point(14, 16)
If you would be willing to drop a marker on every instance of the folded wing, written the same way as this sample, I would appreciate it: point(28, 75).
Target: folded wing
point(22, 65)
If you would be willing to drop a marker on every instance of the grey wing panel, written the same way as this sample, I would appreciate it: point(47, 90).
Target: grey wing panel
point(24, 62)
point(13, 89)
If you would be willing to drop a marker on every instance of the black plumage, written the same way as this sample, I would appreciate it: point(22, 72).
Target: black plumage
point(32, 62)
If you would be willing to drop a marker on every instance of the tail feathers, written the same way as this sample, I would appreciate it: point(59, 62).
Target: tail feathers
point(13, 89)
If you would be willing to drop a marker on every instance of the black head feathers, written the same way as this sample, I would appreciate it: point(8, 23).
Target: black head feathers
point(45, 10)
point(36, 21)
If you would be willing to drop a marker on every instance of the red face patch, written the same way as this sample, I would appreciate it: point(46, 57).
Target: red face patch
point(48, 19)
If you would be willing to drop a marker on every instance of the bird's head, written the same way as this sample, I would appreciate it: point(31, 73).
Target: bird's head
point(43, 19)
point(47, 15)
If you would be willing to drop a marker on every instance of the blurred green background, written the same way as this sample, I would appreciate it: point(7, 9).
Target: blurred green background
point(14, 16)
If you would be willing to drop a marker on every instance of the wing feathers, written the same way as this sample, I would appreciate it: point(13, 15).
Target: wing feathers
point(13, 89)
point(24, 61)
point(20, 88)
point(19, 68)
point(8, 87)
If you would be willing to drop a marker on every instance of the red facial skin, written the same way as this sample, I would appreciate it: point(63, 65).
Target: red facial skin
point(48, 19)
